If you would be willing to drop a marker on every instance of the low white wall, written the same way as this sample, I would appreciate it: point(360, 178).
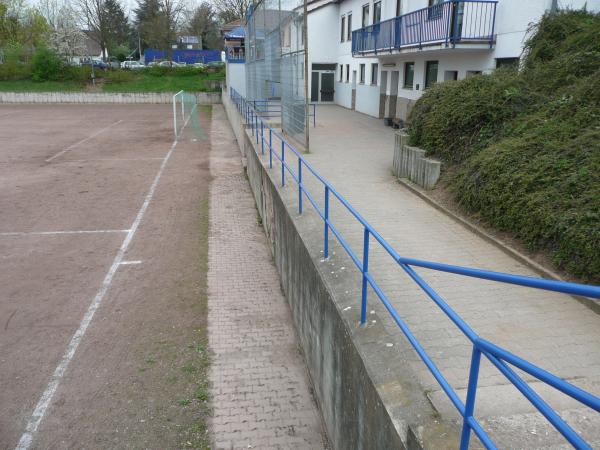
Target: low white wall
point(204, 98)
point(367, 99)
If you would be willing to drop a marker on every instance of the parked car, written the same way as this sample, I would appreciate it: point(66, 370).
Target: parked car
point(171, 64)
point(199, 65)
point(113, 62)
point(132, 65)
point(97, 63)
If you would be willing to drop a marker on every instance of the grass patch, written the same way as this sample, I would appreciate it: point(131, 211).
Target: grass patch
point(523, 145)
point(147, 80)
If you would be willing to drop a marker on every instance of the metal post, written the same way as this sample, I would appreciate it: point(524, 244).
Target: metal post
point(365, 269)
point(471, 392)
point(270, 148)
point(299, 186)
point(282, 163)
point(174, 116)
point(262, 137)
point(326, 232)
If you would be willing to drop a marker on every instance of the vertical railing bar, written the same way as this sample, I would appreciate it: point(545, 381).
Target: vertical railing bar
point(282, 163)
point(326, 225)
point(270, 148)
point(365, 269)
point(299, 185)
point(262, 137)
point(471, 393)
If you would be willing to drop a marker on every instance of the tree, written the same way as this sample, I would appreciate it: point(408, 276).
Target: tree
point(21, 24)
point(118, 29)
point(148, 22)
point(158, 22)
point(203, 23)
point(96, 21)
point(230, 10)
point(65, 36)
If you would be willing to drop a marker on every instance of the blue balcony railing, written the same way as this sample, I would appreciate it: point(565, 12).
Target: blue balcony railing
point(449, 23)
point(235, 55)
point(293, 165)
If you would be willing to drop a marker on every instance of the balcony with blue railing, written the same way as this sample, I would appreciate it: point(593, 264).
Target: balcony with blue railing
point(235, 54)
point(455, 23)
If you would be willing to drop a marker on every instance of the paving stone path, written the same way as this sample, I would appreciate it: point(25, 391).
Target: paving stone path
point(354, 152)
point(260, 390)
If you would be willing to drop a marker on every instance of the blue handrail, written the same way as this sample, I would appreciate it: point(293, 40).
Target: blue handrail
point(448, 23)
point(498, 356)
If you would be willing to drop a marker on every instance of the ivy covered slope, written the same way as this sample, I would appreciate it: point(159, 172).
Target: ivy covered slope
point(526, 144)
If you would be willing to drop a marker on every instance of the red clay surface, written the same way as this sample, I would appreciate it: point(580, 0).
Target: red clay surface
point(125, 386)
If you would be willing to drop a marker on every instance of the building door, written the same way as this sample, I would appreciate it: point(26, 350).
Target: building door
point(327, 83)
point(314, 87)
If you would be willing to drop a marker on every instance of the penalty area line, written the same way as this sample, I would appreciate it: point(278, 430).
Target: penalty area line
point(62, 152)
point(46, 398)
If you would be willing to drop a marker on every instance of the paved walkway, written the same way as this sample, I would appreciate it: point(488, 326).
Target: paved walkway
point(354, 152)
point(260, 390)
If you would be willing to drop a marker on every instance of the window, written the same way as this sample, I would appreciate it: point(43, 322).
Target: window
point(450, 75)
point(365, 15)
point(507, 62)
point(409, 75)
point(374, 70)
point(343, 29)
point(349, 27)
point(431, 73)
point(398, 7)
point(362, 74)
point(347, 73)
point(435, 12)
point(341, 73)
point(377, 12)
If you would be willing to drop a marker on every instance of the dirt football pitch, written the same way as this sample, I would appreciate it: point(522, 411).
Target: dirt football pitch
point(103, 219)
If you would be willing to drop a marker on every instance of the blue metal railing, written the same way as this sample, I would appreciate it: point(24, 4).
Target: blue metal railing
point(235, 54)
point(269, 109)
point(448, 23)
point(498, 356)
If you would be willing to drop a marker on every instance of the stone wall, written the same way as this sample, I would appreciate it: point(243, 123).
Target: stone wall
point(204, 98)
point(410, 162)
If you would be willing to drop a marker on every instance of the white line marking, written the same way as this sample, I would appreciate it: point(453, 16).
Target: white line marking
point(62, 152)
point(130, 263)
point(50, 233)
point(46, 398)
point(112, 159)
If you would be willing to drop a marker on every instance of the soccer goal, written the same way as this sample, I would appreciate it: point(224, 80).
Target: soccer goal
point(185, 108)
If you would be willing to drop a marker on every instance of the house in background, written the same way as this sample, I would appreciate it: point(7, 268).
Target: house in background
point(188, 43)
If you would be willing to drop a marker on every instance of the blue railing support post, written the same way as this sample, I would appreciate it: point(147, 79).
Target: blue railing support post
point(256, 124)
point(262, 137)
point(270, 148)
point(365, 269)
point(299, 186)
point(326, 225)
point(282, 163)
point(471, 393)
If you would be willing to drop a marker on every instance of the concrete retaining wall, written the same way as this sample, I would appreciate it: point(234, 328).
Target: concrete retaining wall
point(204, 98)
point(369, 397)
point(410, 162)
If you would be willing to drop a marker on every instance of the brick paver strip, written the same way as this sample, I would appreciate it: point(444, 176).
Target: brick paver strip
point(260, 390)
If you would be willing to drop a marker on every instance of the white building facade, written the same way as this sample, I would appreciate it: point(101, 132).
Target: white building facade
point(378, 56)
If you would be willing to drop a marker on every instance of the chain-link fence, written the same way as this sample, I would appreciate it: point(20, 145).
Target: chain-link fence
point(275, 55)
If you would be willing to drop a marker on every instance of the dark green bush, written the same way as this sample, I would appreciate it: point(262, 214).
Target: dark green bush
point(46, 65)
point(79, 74)
point(527, 144)
point(15, 66)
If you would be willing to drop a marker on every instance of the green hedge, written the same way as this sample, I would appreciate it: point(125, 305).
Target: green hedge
point(526, 144)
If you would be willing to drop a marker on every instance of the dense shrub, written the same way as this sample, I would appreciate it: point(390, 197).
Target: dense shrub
point(15, 65)
point(527, 144)
point(78, 74)
point(46, 65)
